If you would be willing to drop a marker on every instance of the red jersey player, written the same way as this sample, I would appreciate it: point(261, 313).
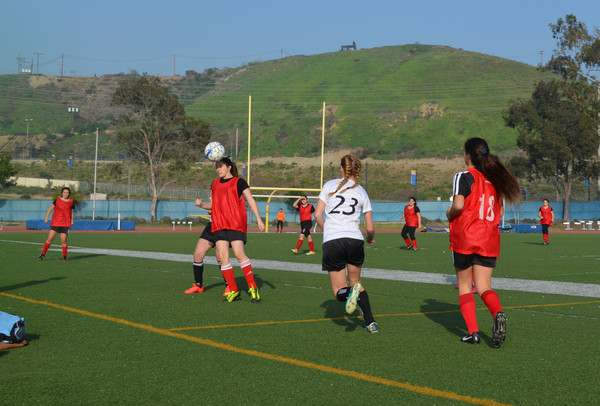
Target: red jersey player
point(62, 220)
point(474, 235)
point(412, 213)
point(546, 215)
point(230, 224)
point(306, 211)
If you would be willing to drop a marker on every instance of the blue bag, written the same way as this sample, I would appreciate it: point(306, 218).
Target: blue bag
point(12, 328)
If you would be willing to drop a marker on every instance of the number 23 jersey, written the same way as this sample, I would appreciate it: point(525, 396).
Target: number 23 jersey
point(343, 210)
point(475, 229)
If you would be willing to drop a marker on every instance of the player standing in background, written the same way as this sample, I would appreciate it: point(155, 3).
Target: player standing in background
point(62, 220)
point(412, 213)
point(205, 243)
point(474, 218)
point(306, 210)
point(546, 215)
point(230, 225)
point(280, 220)
point(343, 243)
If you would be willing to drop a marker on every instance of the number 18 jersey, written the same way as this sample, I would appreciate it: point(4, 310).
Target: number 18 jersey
point(475, 229)
point(343, 210)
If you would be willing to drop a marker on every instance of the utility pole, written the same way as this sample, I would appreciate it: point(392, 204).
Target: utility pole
point(62, 65)
point(37, 67)
point(282, 53)
point(542, 54)
point(73, 110)
point(28, 120)
point(236, 142)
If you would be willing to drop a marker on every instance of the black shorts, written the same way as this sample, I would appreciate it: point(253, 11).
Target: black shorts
point(230, 235)
point(60, 230)
point(208, 235)
point(305, 227)
point(464, 261)
point(342, 251)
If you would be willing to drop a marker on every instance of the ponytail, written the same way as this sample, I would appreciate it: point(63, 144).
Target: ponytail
point(351, 165)
point(506, 184)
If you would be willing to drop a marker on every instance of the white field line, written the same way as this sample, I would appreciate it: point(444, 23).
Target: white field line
point(521, 285)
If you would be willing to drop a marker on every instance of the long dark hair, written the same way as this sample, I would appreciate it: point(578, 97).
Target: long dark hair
point(506, 184)
point(228, 162)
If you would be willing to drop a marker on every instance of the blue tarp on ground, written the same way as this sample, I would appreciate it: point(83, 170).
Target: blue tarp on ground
point(85, 225)
point(22, 210)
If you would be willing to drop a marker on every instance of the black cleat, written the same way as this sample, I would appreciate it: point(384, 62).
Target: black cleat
point(41, 257)
point(414, 248)
point(499, 330)
point(472, 338)
point(65, 259)
point(409, 248)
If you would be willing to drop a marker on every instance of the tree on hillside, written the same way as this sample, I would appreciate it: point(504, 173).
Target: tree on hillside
point(557, 132)
point(6, 170)
point(156, 132)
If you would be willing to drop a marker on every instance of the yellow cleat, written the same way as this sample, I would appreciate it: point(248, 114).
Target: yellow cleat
point(295, 251)
point(310, 253)
point(255, 295)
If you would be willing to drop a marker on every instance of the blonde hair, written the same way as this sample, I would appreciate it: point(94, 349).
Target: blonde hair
point(351, 165)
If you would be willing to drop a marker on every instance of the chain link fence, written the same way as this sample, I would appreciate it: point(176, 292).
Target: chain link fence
point(138, 191)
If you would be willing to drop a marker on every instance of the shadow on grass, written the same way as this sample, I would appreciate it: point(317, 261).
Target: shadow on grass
point(242, 284)
point(448, 315)
point(532, 243)
point(30, 283)
point(335, 311)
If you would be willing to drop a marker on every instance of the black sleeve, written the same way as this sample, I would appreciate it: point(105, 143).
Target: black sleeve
point(241, 186)
point(312, 209)
point(551, 209)
point(465, 184)
point(540, 208)
point(54, 202)
point(417, 210)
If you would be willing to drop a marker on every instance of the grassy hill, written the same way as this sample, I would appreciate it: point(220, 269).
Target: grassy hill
point(408, 101)
point(390, 102)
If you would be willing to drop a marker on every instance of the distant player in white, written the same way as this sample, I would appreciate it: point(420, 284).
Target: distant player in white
point(343, 201)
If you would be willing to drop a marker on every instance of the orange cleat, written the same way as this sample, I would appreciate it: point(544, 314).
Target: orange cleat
point(195, 289)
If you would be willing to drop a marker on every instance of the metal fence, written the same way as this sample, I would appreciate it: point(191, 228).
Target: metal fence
point(137, 190)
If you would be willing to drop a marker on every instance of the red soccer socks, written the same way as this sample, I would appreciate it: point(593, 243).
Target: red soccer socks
point(492, 301)
point(467, 308)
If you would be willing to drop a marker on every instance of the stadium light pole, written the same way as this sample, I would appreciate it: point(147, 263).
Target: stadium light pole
point(95, 172)
point(28, 120)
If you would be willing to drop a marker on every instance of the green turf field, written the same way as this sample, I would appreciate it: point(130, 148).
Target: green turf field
point(106, 329)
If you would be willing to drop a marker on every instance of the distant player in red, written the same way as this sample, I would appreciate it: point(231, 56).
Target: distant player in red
point(474, 218)
point(62, 220)
point(306, 211)
point(546, 215)
point(230, 224)
point(412, 213)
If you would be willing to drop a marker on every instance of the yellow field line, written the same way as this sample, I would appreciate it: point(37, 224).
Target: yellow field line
point(266, 323)
point(351, 374)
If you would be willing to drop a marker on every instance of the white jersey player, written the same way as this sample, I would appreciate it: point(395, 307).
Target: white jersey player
point(343, 201)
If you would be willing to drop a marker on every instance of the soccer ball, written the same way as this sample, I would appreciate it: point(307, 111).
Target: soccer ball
point(214, 151)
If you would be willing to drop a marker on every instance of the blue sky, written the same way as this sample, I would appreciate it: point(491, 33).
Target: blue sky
point(133, 34)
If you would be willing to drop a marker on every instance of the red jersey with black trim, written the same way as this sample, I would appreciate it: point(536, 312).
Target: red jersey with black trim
point(228, 207)
point(410, 215)
point(306, 212)
point(475, 229)
point(62, 213)
point(546, 215)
